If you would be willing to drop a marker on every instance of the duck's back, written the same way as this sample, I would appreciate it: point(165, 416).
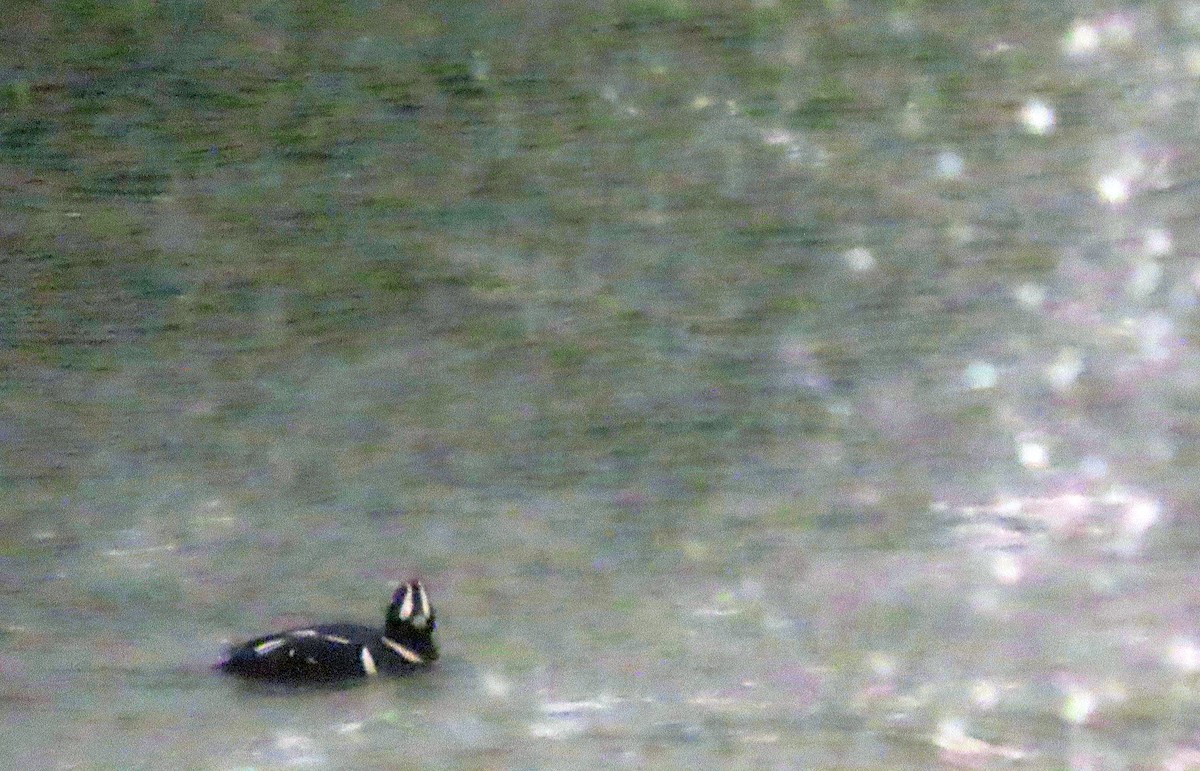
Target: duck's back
point(315, 654)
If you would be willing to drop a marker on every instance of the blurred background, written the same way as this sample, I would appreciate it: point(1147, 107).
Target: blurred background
point(767, 384)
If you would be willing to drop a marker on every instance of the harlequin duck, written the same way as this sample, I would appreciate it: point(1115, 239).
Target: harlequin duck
point(335, 652)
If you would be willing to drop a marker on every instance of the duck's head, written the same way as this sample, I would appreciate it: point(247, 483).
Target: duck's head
point(410, 620)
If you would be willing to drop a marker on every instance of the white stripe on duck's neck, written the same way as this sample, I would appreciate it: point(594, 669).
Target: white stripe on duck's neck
point(412, 657)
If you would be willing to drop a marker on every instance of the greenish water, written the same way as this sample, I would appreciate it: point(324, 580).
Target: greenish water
point(779, 385)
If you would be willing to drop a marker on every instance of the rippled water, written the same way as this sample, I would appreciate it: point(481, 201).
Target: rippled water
point(770, 386)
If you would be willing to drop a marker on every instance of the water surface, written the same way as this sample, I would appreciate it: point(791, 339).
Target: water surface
point(779, 385)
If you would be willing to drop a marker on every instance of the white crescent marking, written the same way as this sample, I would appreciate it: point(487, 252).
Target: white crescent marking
point(425, 611)
point(405, 653)
point(368, 661)
point(406, 608)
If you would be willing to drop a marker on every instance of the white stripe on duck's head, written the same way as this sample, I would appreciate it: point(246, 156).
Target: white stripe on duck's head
point(410, 610)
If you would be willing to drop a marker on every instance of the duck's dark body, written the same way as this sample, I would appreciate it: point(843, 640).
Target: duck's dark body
point(334, 652)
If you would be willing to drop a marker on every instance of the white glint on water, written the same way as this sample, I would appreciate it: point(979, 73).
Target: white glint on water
point(979, 375)
point(1033, 455)
point(1038, 117)
point(859, 259)
point(1112, 189)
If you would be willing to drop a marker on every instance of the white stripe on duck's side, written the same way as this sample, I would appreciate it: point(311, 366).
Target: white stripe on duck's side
point(410, 656)
point(262, 649)
point(368, 661)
